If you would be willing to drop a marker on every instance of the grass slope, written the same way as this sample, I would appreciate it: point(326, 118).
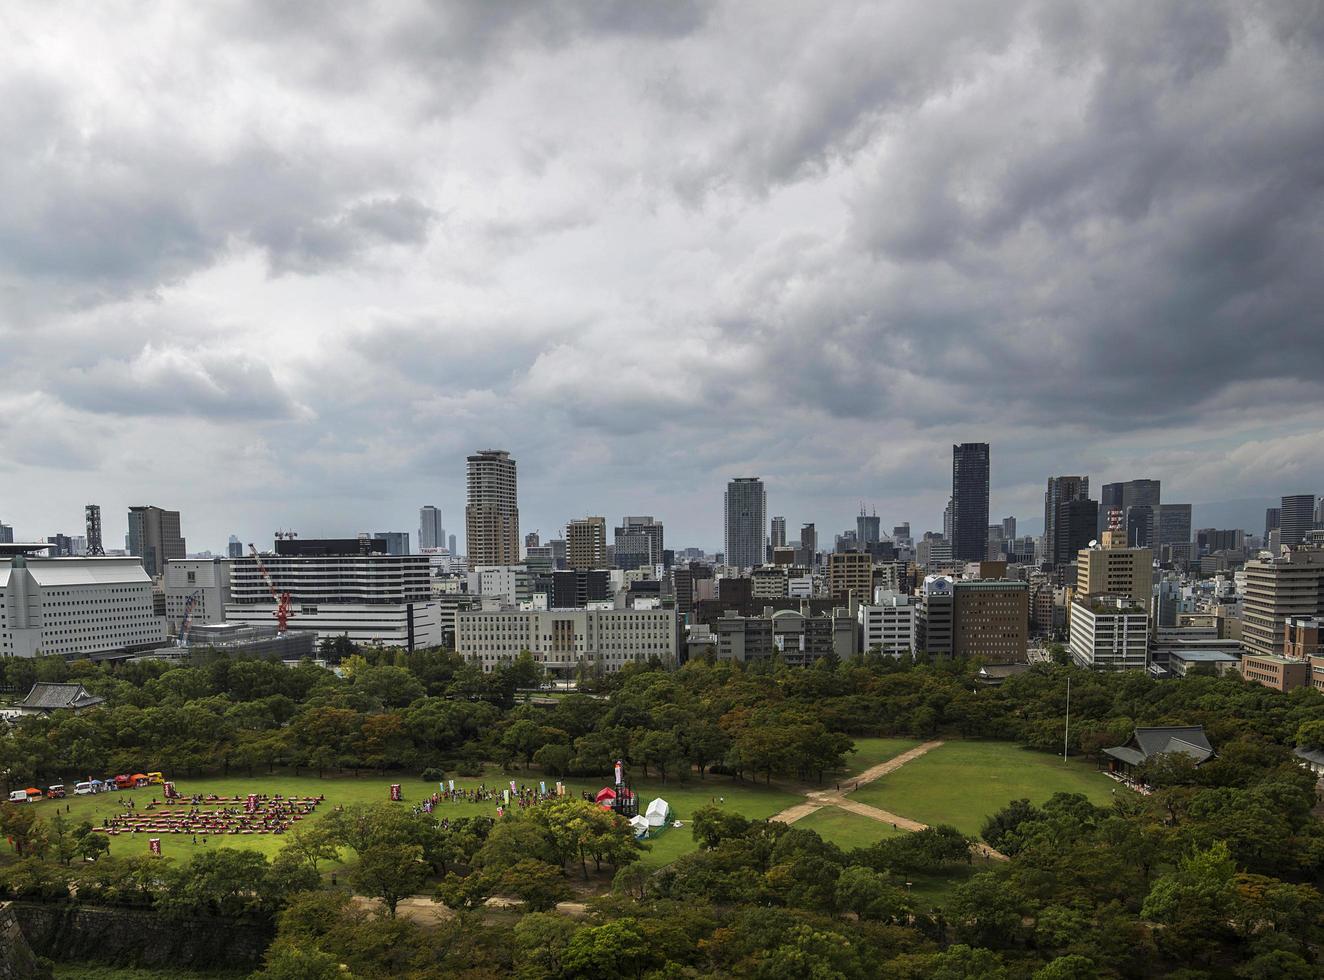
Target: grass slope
point(871, 751)
point(961, 783)
point(845, 829)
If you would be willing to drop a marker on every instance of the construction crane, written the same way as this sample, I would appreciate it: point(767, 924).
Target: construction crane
point(188, 618)
point(282, 613)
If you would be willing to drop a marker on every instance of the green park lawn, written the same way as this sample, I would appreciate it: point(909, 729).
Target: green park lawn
point(961, 783)
point(749, 799)
point(845, 829)
point(871, 751)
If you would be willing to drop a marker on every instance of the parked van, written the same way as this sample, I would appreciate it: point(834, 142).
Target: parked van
point(55, 792)
point(84, 789)
point(18, 796)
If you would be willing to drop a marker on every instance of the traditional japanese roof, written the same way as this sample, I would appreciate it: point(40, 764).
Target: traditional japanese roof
point(1145, 742)
point(46, 696)
point(1315, 756)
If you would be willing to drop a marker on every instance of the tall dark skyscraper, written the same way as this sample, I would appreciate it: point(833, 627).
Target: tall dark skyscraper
point(868, 530)
point(1296, 517)
point(1074, 526)
point(1124, 496)
point(1062, 489)
point(154, 536)
point(1273, 517)
point(970, 501)
point(746, 506)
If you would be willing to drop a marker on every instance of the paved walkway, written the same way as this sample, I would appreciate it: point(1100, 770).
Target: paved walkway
point(817, 799)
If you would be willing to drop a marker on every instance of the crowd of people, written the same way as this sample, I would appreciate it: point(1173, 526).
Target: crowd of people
point(212, 815)
point(522, 796)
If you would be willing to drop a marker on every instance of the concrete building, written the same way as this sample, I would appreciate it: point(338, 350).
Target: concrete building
point(207, 580)
point(1123, 496)
point(234, 548)
point(430, 532)
point(586, 543)
point(511, 584)
point(1273, 517)
point(796, 637)
point(1074, 527)
point(807, 553)
point(991, 619)
point(779, 532)
point(639, 543)
point(491, 516)
point(768, 582)
point(746, 522)
point(575, 588)
point(1296, 519)
point(154, 536)
point(1301, 637)
point(1112, 570)
point(937, 617)
point(888, 625)
point(372, 598)
point(970, 492)
point(1109, 633)
point(397, 542)
point(564, 639)
point(75, 607)
point(850, 573)
point(1275, 671)
point(1289, 585)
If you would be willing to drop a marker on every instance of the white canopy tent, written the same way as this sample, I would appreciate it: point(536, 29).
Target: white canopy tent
point(658, 813)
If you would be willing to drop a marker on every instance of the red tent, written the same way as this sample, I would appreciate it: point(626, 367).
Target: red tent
point(606, 795)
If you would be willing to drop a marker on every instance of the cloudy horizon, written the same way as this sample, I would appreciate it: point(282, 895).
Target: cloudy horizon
point(286, 264)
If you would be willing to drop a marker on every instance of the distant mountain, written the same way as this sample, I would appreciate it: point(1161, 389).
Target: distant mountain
point(1247, 514)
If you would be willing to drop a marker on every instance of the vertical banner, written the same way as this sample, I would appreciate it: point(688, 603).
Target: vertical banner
point(542, 787)
point(618, 772)
point(513, 790)
point(451, 783)
point(395, 792)
point(154, 845)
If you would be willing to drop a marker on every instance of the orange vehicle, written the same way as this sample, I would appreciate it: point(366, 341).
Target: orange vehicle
point(124, 782)
point(140, 780)
point(55, 792)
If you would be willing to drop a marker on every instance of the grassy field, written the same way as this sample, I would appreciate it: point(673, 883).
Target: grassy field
point(748, 799)
point(961, 783)
point(845, 829)
point(871, 751)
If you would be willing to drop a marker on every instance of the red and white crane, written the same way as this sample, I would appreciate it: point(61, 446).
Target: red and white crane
point(282, 613)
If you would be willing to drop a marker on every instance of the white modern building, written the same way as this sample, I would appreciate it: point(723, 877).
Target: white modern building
point(512, 584)
point(207, 580)
point(1109, 633)
point(559, 639)
point(888, 625)
point(75, 606)
point(372, 599)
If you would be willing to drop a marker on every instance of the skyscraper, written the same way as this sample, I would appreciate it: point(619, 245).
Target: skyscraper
point(397, 542)
point(1297, 516)
point(638, 541)
point(868, 531)
point(746, 522)
point(491, 517)
point(779, 532)
point(234, 548)
point(154, 536)
point(430, 532)
point(1273, 518)
point(970, 469)
point(450, 544)
point(586, 543)
point(1124, 496)
point(1074, 526)
point(808, 554)
point(1061, 489)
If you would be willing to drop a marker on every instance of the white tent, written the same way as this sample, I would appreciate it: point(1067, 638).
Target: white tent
point(639, 825)
point(658, 813)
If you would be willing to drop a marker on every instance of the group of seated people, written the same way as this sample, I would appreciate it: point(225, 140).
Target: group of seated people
point(213, 815)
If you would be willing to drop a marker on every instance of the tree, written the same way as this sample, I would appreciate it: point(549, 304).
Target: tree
point(614, 949)
point(390, 872)
point(228, 882)
point(984, 913)
point(871, 895)
point(26, 831)
point(64, 839)
point(541, 939)
point(312, 843)
point(539, 885)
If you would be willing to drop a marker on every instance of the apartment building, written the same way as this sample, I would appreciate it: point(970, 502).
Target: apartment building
point(1278, 589)
point(888, 625)
point(1109, 633)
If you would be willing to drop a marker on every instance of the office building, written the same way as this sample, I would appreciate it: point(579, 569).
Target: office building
point(1109, 633)
point(234, 548)
point(564, 641)
point(797, 637)
point(575, 588)
point(397, 542)
point(1296, 519)
point(451, 544)
point(850, 574)
point(969, 505)
point(340, 587)
point(779, 532)
point(1302, 638)
point(491, 516)
point(1114, 570)
point(868, 531)
point(807, 553)
point(1273, 516)
point(73, 607)
point(586, 543)
point(887, 625)
point(430, 532)
point(1062, 489)
point(511, 584)
point(206, 581)
point(901, 533)
point(61, 546)
point(1075, 525)
point(746, 522)
point(768, 582)
point(1171, 528)
point(991, 620)
point(154, 536)
point(639, 542)
point(6, 534)
point(1280, 588)
point(1209, 540)
point(937, 615)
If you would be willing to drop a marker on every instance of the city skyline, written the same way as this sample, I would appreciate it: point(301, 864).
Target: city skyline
point(324, 274)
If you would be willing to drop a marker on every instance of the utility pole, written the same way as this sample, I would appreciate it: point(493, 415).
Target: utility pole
point(1067, 730)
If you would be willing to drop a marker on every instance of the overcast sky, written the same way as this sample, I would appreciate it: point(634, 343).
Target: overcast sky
point(284, 264)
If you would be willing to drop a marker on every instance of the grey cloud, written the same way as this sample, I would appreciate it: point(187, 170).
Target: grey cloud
point(169, 383)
